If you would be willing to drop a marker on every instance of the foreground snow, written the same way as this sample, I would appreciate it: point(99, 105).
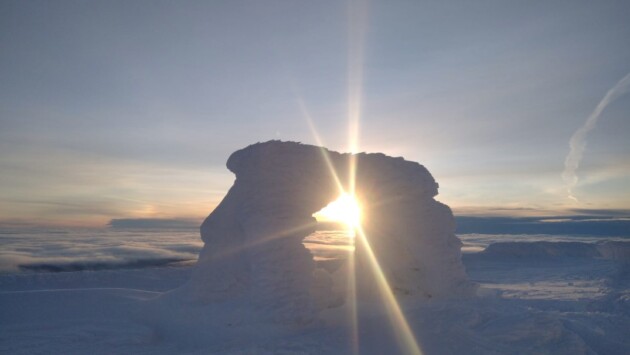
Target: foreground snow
point(530, 303)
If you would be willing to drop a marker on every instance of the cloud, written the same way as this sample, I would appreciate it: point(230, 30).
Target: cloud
point(85, 249)
point(578, 140)
point(593, 225)
point(611, 213)
point(155, 223)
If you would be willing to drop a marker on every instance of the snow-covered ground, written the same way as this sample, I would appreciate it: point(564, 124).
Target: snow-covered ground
point(539, 294)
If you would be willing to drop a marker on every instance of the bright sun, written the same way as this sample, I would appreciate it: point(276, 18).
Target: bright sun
point(345, 209)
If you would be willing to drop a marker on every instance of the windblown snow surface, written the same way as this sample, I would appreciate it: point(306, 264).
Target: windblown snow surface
point(539, 294)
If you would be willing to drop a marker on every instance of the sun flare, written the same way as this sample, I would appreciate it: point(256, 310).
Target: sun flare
point(345, 209)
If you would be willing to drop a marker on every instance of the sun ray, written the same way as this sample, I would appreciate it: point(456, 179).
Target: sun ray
point(403, 330)
point(357, 10)
point(357, 22)
point(227, 252)
point(320, 143)
point(351, 299)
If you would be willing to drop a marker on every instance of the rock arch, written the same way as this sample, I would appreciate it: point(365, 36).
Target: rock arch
point(253, 240)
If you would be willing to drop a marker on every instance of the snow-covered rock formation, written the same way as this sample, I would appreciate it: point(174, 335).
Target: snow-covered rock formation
point(253, 240)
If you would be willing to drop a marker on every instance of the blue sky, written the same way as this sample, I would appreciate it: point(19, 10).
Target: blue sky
point(124, 109)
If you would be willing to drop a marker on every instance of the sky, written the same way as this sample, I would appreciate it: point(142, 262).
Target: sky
point(130, 109)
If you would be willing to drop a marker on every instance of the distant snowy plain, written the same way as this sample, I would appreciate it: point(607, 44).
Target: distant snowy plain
point(83, 291)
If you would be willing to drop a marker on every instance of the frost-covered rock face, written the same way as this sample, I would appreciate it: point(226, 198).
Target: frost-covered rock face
point(253, 239)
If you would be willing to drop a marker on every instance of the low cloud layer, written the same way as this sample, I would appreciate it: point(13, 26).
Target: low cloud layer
point(595, 225)
point(95, 249)
point(155, 223)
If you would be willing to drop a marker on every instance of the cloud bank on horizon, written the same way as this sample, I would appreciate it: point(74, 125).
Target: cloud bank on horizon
point(95, 249)
point(578, 140)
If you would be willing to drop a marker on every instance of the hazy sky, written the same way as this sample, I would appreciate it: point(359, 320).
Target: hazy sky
point(129, 109)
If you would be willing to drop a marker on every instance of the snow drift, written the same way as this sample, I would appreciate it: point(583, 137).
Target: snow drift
point(253, 248)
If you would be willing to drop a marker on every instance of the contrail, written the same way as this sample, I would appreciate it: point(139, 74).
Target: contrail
point(578, 140)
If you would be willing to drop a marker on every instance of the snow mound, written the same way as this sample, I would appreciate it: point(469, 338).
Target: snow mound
point(615, 250)
point(253, 248)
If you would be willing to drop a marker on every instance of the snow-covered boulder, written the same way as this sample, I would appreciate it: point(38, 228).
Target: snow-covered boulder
point(253, 239)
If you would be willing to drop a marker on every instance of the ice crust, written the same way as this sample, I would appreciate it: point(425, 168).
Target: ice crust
point(253, 240)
